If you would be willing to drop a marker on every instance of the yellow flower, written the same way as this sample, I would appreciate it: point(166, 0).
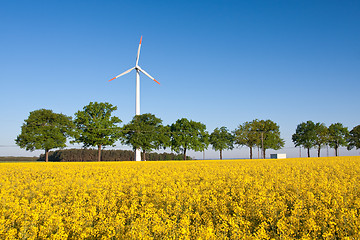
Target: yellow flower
point(234, 199)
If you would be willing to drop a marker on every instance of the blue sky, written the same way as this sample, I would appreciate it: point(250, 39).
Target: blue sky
point(219, 62)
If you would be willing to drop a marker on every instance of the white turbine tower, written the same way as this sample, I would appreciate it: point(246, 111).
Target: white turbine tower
point(137, 101)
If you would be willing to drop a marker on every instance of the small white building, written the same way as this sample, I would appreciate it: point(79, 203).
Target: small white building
point(278, 155)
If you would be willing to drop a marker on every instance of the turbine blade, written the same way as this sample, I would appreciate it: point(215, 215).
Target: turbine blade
point(127, 71)
point(138, 53)
point(144, 72)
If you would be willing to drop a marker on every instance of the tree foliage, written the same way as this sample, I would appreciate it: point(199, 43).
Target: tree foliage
point(145, 132)
point(44, 129)
point(96, 126)
point(321, 134)
point(338, 134)
point(354, 138)
point(221, 139)
point(247, 135)
point(305, 136)
point(187, 134)
point(269, 133)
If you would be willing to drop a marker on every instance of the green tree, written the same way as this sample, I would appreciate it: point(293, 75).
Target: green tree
point(145, 132)
point(354, 138)
point(45, 130)
point(338, 134)
point(96, 126)
point(187, 134)
point(305, 136)
point(221, 139)
point(269, 133)
point(321, 136)
point(246, 135)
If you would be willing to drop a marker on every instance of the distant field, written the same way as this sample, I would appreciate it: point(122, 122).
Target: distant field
point(316, 198)
point(18, 159)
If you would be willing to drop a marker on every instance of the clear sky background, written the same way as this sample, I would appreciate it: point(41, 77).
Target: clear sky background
point(219, 62)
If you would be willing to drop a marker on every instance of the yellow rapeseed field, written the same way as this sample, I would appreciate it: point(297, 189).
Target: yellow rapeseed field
point(316, 198)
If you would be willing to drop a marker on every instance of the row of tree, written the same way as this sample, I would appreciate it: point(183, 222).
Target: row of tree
point(316, 135)
point(94, 126)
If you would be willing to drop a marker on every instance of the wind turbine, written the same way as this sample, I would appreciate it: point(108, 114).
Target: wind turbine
point(137, 100)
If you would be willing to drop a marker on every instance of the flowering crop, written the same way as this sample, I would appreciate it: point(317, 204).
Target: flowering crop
point(316, 198)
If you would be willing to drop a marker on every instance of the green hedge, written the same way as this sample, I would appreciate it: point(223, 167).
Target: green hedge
point(18, 159)
point(90, 155)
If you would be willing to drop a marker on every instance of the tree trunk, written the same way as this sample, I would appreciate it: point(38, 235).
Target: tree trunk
point(99, 153)
point(220, 154)
point(319, 151)
point(251, 153)
point(144, 156)
point(262, 145)
point(308, 151)
point(263, 151)
point(336, 151)
point(46, 155)
point(184, 153)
